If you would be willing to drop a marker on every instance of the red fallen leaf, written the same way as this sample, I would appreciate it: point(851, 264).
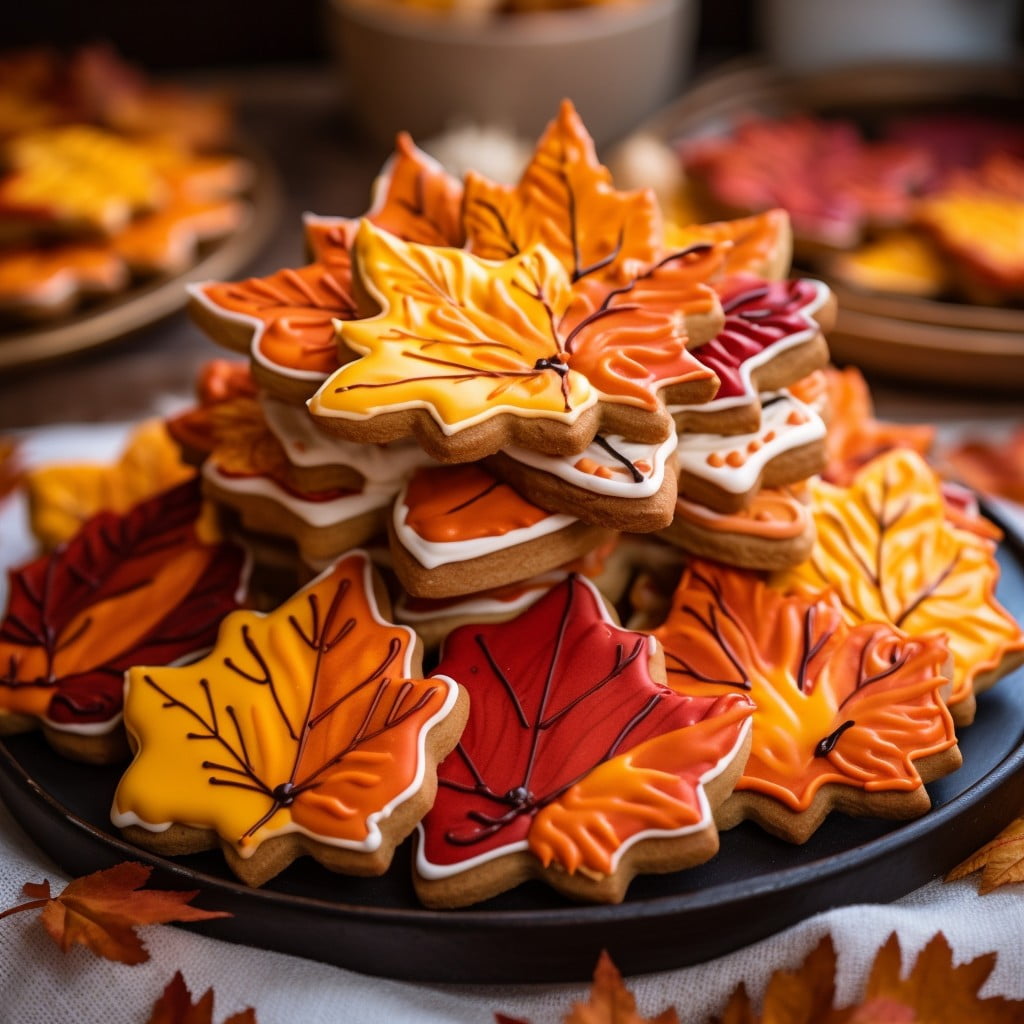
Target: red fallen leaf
point(141, 588)
point(175, 1006)
point(101, 911)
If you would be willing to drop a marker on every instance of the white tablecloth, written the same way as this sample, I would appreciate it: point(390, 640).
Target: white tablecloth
point(40, 985)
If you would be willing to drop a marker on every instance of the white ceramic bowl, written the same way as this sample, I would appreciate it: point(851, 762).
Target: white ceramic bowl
point(423, 72)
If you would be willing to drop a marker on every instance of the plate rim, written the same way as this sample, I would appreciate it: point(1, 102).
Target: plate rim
point(149, 301)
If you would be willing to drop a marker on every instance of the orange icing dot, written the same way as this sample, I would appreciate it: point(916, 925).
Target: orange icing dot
point(735, 459)
point(716, 460)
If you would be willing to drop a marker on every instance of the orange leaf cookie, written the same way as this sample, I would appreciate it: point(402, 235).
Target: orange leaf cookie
point(470, 355)
point(578, 766)
point(304, 731)
point(48, 282)
point(848, 717)
point(248, 470)
point(285, 321)
point(761, 245)
point(459, 530)
point(775, 531)
point(886, 548)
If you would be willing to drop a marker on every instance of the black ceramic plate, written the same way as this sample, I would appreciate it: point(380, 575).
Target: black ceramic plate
point(756, 885)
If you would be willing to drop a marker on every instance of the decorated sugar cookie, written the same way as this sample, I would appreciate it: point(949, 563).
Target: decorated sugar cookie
point(140, 587)
point(887, 549)
point(248, 471)
point(775, 531)
point(624, 485)
point(305, 731)
point(459, 530)
point(725, 472)
point(901, 261)
point(578, 765)
point(471, 355)
point(855, 437)
point(63, 496)
point(604, 239)
point(832, 182)
point(40, 283)
point(772, 337)
point(285, 321)
point(76, 179)
point(761, 245)
point(849, 717)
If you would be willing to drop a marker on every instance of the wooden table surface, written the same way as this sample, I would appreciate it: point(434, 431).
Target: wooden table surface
point(298, 118)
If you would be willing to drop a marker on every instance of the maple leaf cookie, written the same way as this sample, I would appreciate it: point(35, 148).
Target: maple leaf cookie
point(285, 321)
point(849, 717)
point(886, 547)
point(142, 586)
point(772, 338)
point(305, 731)
point(725, 471)
point(459, 530)
point(578, 765)
point(470, 355)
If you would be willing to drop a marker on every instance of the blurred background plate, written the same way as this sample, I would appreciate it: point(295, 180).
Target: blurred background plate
point(151, 300)
point(899, 335)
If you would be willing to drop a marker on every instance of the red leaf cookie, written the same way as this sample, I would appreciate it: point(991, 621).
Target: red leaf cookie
point(578, 765)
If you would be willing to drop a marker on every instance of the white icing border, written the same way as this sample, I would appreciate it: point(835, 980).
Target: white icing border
point(694, 449)
point(621, 485)
point(317, 514)
point(123, 819)
point(307, 446)
point(476, 605)
point(431, 554)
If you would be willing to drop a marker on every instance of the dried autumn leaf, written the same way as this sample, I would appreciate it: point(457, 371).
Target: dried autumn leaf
point(573, 753)
point(837, 705)
point(611, 1002)
point(101, 911)
point(465, 340)
point(142, 587)
point(935, 990)
point(1001, 861)
point(801, 996)
point(175, 1006)
point(306, 721)
point(63, 496)
point(885, 546)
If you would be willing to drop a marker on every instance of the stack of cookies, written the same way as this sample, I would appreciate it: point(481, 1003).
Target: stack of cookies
point(536, 407)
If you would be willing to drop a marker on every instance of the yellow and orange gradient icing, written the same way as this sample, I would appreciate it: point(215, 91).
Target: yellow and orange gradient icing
point(836, 704)
point(886, 547)
point(309, 719)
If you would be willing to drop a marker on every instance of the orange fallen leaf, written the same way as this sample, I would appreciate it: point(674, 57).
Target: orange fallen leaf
point(1000, 861)
point(934, 991)
point(102, 911)
point(175, 1006)
point(993, 468)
